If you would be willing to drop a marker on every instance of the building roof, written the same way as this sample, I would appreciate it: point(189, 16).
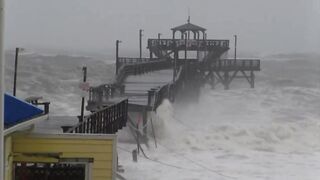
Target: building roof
point(188, 27)
point(17, 111)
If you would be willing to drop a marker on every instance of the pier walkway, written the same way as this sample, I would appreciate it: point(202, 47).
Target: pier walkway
point(175, 68)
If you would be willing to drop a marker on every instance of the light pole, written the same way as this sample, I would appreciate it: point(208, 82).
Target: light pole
point(84, 70)
point(2, 90)
point(117, 55)
point(16, 70)
point(235, 47)
point(140, 43)
point(159, 35)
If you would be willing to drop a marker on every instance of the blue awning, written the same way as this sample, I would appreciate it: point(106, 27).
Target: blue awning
point(17, 111)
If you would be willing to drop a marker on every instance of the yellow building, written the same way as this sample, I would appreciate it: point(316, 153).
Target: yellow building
point(95, 154)
point(37, 148)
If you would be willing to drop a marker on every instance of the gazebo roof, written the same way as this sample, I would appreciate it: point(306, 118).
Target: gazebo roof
point(188, 27)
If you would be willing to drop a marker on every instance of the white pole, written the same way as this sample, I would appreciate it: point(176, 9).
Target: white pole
point(2, 90)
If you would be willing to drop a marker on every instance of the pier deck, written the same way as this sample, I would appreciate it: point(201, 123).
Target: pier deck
point(169, 73)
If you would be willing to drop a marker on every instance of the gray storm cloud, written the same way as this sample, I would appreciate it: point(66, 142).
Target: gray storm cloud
point(271, 26)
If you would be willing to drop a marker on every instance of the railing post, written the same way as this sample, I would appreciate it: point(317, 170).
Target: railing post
point(151, 94)
point(46, 107)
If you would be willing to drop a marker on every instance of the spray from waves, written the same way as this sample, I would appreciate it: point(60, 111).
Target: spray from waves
point(280, 115)
point(235, 120)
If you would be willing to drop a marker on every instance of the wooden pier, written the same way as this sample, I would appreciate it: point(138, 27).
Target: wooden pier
point(184, 75)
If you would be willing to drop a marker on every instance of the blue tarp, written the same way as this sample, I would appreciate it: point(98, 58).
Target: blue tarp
point(16, 110)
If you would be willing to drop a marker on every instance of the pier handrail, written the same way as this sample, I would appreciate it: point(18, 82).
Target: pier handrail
point(129, 60)
point(181, 43)
point(106, 121)
point(241, 64)
point(140, 67)
point(165, 91)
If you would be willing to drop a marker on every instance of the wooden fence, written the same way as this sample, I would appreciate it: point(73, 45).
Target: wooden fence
point(106, 121)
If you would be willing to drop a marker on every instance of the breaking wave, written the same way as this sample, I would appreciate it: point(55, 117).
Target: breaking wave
point(280, 115)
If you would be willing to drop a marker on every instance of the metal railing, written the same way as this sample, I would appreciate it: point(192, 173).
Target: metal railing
point(106, 121)
point(190, 44)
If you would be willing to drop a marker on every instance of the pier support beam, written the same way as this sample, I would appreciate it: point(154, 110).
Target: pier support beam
point(151, 55)
point(226, 81)
point(176, 57)
point(250, 78)
point(212, 80)
point(145, 121)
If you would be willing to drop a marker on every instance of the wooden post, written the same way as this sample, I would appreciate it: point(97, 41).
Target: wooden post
point(140, 44)
point(213, 80)
point(117, 56)
point(226, 80)
point(175, 59)
point(185, 50)
point(185, 56)
point(15, 72)
point(252, 79)
point(235, 47)
point(84, 69)
point(145, 121)
point(150, 96)
point(151, 55)
point(138, 138)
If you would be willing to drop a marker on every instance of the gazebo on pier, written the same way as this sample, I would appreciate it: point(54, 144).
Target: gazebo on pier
point(185, 30)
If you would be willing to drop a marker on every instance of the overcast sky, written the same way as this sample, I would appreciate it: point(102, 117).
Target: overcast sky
point(263, 26)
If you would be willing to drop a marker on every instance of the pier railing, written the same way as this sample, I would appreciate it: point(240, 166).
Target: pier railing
point(167, 91)
point(191, 44)
point(128, 60)
point(141, 67)
point(101, 94)
point(106, 121)
point(239, 64)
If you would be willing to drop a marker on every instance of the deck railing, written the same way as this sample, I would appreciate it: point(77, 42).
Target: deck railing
point(190, 44)
point(101, 94)
point(167, 91)
point(127, 60)
point(106, 121)
point(239, 64)
point(141, 67)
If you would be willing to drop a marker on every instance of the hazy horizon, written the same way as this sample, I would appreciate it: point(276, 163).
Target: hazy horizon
point(287, 26)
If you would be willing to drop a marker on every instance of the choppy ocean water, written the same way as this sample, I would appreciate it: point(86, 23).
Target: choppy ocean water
point(270, 132)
